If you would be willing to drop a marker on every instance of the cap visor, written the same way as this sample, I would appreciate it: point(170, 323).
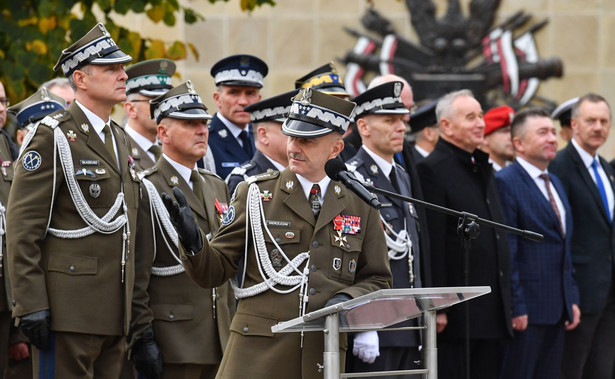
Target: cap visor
point(153, 93)
point(190, 114)
point(115, 57)
point(240, 83)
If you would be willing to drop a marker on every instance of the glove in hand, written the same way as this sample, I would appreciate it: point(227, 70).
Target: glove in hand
point(36, 326)
point(337, 298)
point(183, 220)
point(366, 346)
point(147, 357)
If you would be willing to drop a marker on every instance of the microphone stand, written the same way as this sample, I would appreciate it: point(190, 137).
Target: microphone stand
point(468, 228)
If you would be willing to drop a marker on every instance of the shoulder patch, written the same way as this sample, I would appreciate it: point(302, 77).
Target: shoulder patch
point(262, 177)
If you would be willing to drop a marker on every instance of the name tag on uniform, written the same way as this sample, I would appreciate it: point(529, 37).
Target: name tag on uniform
point(230, 164)
point(283, 224)
point(89, 162)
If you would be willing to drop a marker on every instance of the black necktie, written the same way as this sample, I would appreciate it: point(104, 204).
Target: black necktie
point(197, 186)
point(315, 199)
point(393, 179)
point(247, 144)
point(155, 149)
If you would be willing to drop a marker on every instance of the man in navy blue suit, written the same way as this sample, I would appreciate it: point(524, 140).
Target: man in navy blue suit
point(239, 79)
point(545, 295)
point(589, 181)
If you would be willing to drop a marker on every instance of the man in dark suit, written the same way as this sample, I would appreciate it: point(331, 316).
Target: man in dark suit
point(545, 295)
point(379, 118)
point(70, 222)
point(458, 175)
point(239, 79)
point(589, 181)
point(146, 80)
point(316, 244)
point(267, 117)
point(188, 324)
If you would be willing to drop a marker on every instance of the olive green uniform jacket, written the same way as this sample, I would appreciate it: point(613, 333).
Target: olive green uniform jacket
point(355, 265)
point(79, 280)
point(181, 312)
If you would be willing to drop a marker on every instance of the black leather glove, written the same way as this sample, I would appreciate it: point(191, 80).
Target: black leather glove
point(147, 357)
point(183, 220)
point(337, 298)
point(36, 327)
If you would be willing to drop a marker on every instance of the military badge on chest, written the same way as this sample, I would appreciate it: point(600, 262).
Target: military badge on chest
point(221, 209)
point(4, 166)
point(347, 224)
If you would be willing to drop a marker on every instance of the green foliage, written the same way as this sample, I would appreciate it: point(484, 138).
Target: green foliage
point(34, 32)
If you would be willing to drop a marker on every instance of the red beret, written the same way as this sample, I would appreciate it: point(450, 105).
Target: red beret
point(497, 118)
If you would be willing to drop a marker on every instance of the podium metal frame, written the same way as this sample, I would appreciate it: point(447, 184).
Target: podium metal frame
point(377, 311)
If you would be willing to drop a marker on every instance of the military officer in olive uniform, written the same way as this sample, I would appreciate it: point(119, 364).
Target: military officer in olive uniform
point(71, 222)
point(189, 324)
point(267, 117)
point(146, 80)
point(27, 113)
point(313, 241)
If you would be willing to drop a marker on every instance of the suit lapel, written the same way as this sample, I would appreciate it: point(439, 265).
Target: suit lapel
point(589, 182)
point(169, 172)
point(295, 199)
point(122, 147)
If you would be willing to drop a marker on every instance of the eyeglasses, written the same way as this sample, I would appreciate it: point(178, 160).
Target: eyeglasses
point(4, 101)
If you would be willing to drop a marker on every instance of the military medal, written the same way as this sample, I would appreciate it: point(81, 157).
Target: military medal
point(347, 224)
point(85, 127)
point(94, 190)
point(174, 180)
point(221, 208)
point(289, 185)
point(71, 135)
point(337, 190)
point(5, 164)
point(374, 169)
point(341, 239)
point(266, 195)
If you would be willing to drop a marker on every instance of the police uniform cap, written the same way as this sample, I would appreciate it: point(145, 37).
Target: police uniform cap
point(275, 108)
point(382, 99)
point(96, 47)
point(315, 114)
point(150, 78)
point(424, 116)
point(36, 107)
point(181, 102)
point(240, 70)
point(563, 112)
point(498, 117)
point(325, 79)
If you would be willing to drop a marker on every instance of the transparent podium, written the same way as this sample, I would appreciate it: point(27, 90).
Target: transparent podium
point(376, 311)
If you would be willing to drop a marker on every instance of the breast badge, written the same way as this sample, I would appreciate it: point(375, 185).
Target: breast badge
point(71, 135)
point(266, 195)
point(94, 190)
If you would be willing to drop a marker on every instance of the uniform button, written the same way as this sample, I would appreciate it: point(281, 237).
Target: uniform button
point(312, 291)
point(171, 316)
point(314, 268)
point(487, 201)
point(501, 273)
point(278, 239)
point(315, 244)
point(348, 246)
point(13, 302)
point(71, 268)
point(245, 329)
point(497, 236)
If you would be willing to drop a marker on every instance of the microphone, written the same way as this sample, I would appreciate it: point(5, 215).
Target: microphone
point(336, 170)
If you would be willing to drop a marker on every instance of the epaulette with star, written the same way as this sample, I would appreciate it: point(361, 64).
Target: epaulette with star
point(54, 120)
point(147, 172)
point(262, 177)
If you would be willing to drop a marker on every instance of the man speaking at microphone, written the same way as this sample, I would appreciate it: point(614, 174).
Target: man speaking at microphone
point(307, 242)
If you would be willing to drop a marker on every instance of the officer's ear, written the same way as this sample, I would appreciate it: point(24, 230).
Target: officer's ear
point(362, 124)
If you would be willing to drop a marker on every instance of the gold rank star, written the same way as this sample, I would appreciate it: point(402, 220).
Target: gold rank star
point(341, 239)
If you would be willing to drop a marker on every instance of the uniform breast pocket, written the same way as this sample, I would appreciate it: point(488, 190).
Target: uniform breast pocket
point(286, 242)
point(95, 185)
point(173, 312)
point(344, 257)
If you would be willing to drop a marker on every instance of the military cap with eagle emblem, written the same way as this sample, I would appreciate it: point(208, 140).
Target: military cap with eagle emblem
point(275, 108)
point(181, 102)
point(382, 99)
point(325, 79)
point(37, 106)
point(96, 47)
point(240, 70)
point(315, 114)
point(150, 78)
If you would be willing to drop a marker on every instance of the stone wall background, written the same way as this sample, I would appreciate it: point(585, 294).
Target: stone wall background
point(296, 36)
